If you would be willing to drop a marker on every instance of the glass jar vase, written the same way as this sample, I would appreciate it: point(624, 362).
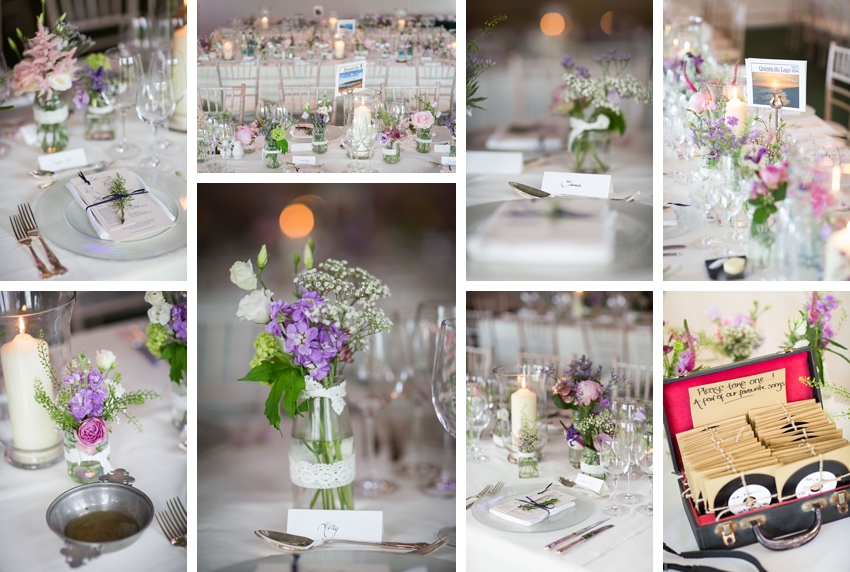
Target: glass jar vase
point(51, 119)
point(591, 152)
point(86, 467)
point(392, 152)
point(453, 148)
point(320, 139)
point(99, 119)
point(271, 154)
point(29, 321)
point(178, 404)
point(590, 464)
point(527, 465)
point(423, 141)
point(321, 455)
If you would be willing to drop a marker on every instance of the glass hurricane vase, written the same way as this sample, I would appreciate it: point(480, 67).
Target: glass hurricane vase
point(86, 467)
point(51, 119)
point(321, 455)
point(99, 119)
point(591, 152)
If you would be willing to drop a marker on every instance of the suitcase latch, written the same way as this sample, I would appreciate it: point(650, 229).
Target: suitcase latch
point(727, 531)
point(840, 499)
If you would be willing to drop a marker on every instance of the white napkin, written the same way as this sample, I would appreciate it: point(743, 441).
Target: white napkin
point(517, 512)
point(527, 137)
point(101, 232)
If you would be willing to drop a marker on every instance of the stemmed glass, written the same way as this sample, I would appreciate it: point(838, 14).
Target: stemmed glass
point(351, 140)
point(127, 67)
point(224, 134)
point(627, 429)
point(5, 92)
point(615, 462)
point(380, 377)
point(674, 136)
point(154, 105)
point(372, 143)
point(644, 461)
point(478, 414)
point(444, 398)
point(173, 64)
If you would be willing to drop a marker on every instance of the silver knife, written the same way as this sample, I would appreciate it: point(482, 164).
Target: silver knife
point(525, 190)
point(583, 538)
point(574, 534)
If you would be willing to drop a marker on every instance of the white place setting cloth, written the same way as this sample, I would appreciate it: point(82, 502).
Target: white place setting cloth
point(152, 457)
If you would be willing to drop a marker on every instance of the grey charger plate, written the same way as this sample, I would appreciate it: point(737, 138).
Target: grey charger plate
point(396, 562)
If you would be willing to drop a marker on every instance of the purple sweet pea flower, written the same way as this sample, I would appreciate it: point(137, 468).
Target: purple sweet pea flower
point(602, 442)
point(81, 99)
point(640, 415)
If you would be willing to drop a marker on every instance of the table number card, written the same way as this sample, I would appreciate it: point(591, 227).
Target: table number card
point(366, 525)
point(578, 184)
point(349, 78)
point(63, 160)
point(442, 148)
point(726, 399)
point(771, 80)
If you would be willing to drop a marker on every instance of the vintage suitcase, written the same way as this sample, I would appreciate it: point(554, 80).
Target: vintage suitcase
point(781, 525)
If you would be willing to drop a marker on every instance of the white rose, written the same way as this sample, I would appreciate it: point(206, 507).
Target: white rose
point(154, 298)
point(255, 307)
point(242, 274)
point(160, 314)
point(105, 360)
point(60, 81)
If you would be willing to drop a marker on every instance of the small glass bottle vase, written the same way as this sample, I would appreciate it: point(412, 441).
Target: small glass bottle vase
point(320, 139)
point(590, 464)
point(423, 141)
point(178, 404)
point(85, 467)
point(591, 151)
point(271, 154)
point(321, 455)
point(51, 119)
point(527, 465)
point(392, 152)
point(99, 117)
point(453, 148)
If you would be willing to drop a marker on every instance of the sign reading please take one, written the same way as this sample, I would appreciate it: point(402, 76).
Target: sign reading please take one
point(366, 525)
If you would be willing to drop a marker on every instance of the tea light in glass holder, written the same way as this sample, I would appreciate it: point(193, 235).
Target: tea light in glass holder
point(332, 22)
point(401, 23)
point(227, 50)
point(339, 49)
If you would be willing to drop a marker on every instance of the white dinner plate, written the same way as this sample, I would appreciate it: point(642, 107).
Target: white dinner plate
point(581, 511)
point(332, 132)
point(65, 224)
point(396, 562)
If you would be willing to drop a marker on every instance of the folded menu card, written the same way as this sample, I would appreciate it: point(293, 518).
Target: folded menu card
point(550, 231)
point(525, 512)
point(143, 213)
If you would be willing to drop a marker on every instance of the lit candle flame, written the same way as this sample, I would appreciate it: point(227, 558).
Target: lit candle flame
point(836, 179)
point(21, 324)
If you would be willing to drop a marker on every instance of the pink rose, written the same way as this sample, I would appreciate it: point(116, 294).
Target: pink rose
point(91, 434)
point(245, 134)
point(588, 391)
point(369, 43)
point(700, 101)
point(771, 176)
point(422, 120)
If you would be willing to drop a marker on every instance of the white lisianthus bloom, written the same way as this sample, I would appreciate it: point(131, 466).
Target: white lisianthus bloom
point(305, 115)
point(160, 314)
point(60, 81)
point(154, 298)
point(255, 307)
point(242, 274)
point(105, 360)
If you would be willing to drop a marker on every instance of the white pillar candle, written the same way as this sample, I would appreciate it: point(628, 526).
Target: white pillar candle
point(360, 122)
point(737, 108)
point(32, 428)
point(837, 256)
point(227, 47)
point(265, 22)
point(178, 120)
point(400, 24)
point(523, 402)
point(339, 49)
point(578, 306)
point(332, 21)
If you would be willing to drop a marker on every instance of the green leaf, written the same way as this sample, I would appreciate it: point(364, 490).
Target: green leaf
point(833, 342)
point(618, 122)
point(760, 216)
point(267, 372)
point(272, 410)
point(780, 193)
point(559, 402)
point(294, 386)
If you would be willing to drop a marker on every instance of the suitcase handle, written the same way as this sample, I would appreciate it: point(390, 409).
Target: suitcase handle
point(791, 542)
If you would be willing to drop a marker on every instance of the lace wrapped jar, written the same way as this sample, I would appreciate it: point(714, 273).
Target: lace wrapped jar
point(590, 464)
point(321, 455)
point(392, 152)
point(83, 467)
point(320, 139)
point(178, 404)
point(423, 140)
point(99, 116)
point(51, 119)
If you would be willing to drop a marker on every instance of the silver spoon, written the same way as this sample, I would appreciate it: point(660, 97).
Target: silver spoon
point(40, 174)
point(52, 181)
point(296, 543)
point(528, 191)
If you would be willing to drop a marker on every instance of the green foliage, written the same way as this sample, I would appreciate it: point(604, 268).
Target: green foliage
point(120, 195)
point(176, 354)
point(286, 381)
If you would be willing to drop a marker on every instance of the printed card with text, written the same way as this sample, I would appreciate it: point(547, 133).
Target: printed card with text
point(772, 81)
point(366, 525)
point(349, 78)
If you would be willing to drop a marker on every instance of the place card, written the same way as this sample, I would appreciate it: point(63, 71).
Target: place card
point(442, 148)
point(493, 163)
point(304, 159)
point(589, 482)
point(448, 160)
point(30, 133)
point(366, 525)
point(577, 184)
point(63, 160)
point(344, 567)
point(296, 147)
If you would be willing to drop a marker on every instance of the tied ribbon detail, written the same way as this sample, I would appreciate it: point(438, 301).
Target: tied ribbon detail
point(315, 389)
point(579, 126)
point(544, 505)
point(112, 198)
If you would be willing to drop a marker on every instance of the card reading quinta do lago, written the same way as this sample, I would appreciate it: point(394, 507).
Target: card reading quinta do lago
point(366, 525)
point(771, 81)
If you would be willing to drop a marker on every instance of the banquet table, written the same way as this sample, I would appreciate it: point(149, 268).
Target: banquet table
point(17, 187)
point(152, 457)
point(690, 263)
point(245, 488)
point(631, 170)
point(627, 546)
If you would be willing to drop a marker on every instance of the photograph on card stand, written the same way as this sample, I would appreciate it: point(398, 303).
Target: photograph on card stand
point(559, 429)
point(349, 88)
point(559, 133)
point(99, 183)
point(92, 423)
point(757, 409)
point(756, 169)
point(328, 374)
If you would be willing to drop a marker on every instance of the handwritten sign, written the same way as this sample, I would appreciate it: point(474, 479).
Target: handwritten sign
point(725, 399)
point(365, 525)
point(577, 184)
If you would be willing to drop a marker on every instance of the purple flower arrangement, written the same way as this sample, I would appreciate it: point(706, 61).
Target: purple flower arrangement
point(769, 187)
point(681, 351)
point(93, 82)
point(814, 329)
point(167, 336)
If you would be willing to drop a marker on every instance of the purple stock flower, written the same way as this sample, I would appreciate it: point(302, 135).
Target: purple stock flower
point(568, 62)
point(81, 99)
point(178, 321)
point(582, 71)
point(605, 403)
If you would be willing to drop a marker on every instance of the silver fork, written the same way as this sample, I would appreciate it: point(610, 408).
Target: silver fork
point(483, 492)
point(173, 522)
point(24, 239)
point(31, 228)
point(498, 486)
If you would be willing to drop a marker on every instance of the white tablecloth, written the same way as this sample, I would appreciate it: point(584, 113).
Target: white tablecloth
point(17, 187)
point(627, 546)
point(152, 457)
point(631, 170)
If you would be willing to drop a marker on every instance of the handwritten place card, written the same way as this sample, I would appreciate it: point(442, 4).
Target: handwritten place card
point(442, 148)
point(343, 567)
point(726, 399)
point(577, 184)
point(304, 160)
point(448, 160)
point(589, 482)
point(367, 525)
point(493, 163)
point(63, 160)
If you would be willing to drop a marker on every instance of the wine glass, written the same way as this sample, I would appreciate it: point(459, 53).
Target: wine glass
point(644, 461)
point(5, 92)
point(478, 414)
point(380, 377)
point(627, 432)
point(224, 135)
point(372, 143)
point(351, 142)
point(126, 66)
point(615, 462)
point(173, 64)
point(154, 105)
point(444, 398)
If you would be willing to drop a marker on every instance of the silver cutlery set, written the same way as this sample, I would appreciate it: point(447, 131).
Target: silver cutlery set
point(25, 229)
point(485, 491)
point(530, 192)
point(173, 522)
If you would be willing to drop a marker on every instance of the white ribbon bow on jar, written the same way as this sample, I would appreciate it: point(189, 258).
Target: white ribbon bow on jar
point(315, 389)
point(579, 126)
